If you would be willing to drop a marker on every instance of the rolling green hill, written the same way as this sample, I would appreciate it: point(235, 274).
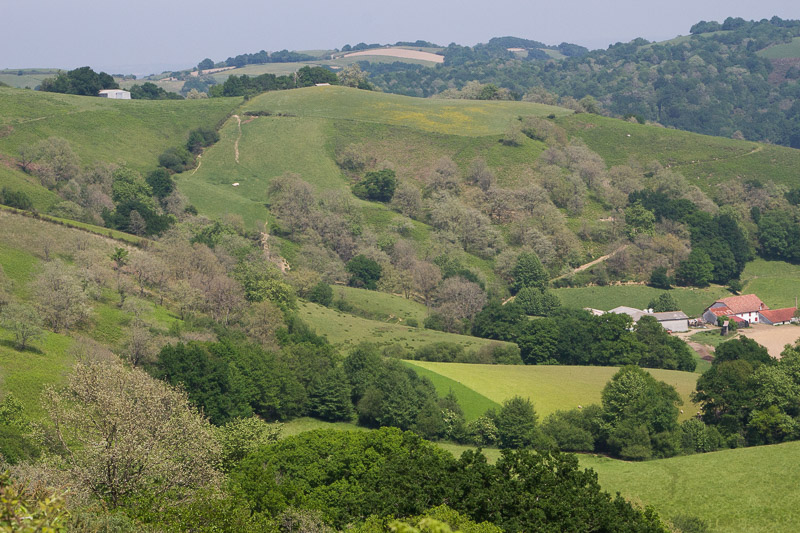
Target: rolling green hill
point(703, 159)
point(551, 388)
point(131, 131)
point(782, 51)
point(748, 489)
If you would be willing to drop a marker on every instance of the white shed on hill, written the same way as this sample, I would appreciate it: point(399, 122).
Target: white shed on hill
point(116, 94)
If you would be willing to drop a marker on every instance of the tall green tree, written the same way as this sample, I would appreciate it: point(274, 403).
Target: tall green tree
point(528, 272)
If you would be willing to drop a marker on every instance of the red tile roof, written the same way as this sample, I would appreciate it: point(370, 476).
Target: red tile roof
point(779, 315)
point(721, 311)
point(746, 303)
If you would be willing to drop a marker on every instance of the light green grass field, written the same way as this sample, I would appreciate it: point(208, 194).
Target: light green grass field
point(777, 283)
point(381, 305)
point(782, 51)
point(17, 181)
point(552, 388)
point(98, 129)
point(710, 338)
point(703, 159)
point(473, 404)
point(25, 374)
point(30, 78)
point(748, 489)
point(691, 301)
point(455, 117)
point(345, 330)
point(301, 425)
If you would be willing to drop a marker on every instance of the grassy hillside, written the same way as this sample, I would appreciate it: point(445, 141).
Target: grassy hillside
point(26, 77)
point(345, 330)
point(782, 51)
point(691, 301)
point(455, 117)
point(704, 159)
point(551, 388)
point(132, 131)
point(380, 305)
point(473, 403)
point(748, 489)
point(777, 283)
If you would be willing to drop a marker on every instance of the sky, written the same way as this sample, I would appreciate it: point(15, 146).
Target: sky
point(147, 36)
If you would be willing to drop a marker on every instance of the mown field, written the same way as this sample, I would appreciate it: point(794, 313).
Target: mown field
point(691, 301)
point(747, 489)
point(473, 403)
point(345, 330)
point(552, 388)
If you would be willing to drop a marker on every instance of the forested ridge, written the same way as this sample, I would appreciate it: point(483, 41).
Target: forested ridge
point(713, 82)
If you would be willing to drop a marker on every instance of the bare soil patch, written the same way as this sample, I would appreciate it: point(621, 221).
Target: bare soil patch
point(399, 52)
point(773, 338)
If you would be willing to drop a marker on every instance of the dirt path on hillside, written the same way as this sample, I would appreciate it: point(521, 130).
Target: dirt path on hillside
point(592, 263)
point(236, 144)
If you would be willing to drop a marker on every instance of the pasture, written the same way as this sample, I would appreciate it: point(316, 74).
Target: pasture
point(703, 159)
point(746, 489)
point(380, 305)
point(552, 388)
point(344, 330)
point(782, 51)
point(777, 283)
point(691, 301)
point(133, 132)
point(472, 403)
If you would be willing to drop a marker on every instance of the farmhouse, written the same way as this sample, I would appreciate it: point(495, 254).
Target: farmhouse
point(746, 307)
point(670, 320)
point(116, 94)
point(776, 317)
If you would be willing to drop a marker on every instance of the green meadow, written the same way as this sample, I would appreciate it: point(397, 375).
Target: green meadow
point(472, 403)
point(746, 489)
point(703, 159)
point(782, 51)
point(552, 388)
point(345, 330)
point(380, 305)
point(777, 283)
point(691, 301)
point(131, 131)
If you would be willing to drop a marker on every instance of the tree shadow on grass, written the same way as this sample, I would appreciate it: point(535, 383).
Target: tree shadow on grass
point(13, 345)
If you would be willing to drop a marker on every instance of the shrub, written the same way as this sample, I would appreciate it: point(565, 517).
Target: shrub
point(440, 352)
point(17, 199)
point(412, 322)
point(364, 272)
point(200, 138)
point(321, 294)
point(378, 186)
point(176, 159)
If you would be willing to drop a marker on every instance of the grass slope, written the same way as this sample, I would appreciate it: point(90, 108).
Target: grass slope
point(748, 489)
point(782, 51)
point(26, 77)
point(473, 403)
point(777, 283)
point(455, 117)
point(98, 129)
point(691, 301)
point(345, 330)
point(703, 159)
point(552, 388)
point(381, 305)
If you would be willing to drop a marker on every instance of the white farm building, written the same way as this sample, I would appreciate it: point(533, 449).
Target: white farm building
point(116, 94)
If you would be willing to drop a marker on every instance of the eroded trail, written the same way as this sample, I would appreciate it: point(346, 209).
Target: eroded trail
point(236, 144)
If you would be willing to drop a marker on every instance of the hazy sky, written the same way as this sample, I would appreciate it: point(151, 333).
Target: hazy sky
point(143, 36)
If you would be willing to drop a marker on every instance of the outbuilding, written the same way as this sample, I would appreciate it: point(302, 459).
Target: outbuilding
point(776, 317)
point(115, 94)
